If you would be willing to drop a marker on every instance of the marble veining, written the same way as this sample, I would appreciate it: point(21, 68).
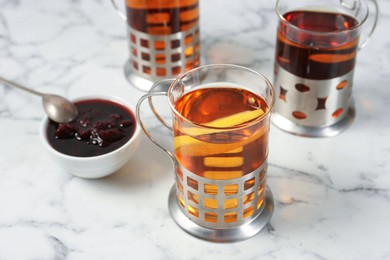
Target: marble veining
point(332, 195)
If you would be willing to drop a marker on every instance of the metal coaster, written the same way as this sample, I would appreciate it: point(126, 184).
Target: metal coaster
point(307, 131)
point(222, 235)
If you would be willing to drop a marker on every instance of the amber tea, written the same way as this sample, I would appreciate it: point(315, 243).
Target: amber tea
point(222, 148)
point(226, 151)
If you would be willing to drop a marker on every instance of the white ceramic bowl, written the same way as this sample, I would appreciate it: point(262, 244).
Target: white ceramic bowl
point(95, 166)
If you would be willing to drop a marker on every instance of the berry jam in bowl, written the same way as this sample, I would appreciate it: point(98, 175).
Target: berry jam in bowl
point(100, 141)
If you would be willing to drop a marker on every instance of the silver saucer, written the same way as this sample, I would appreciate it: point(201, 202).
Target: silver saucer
point(223, 235)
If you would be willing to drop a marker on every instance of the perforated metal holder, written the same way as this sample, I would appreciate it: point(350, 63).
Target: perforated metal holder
point(158, 57)
point(313, 108)
point(242, 226)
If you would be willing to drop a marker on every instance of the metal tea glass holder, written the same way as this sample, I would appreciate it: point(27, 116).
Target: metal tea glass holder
point(315, 106)
point(158, 56)
point(254, 202)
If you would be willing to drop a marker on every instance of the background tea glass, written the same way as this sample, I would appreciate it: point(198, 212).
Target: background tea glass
point(316, 47)
point(221, 117)
point(163, 39)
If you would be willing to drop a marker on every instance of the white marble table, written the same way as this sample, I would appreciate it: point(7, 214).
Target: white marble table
point(332, 196)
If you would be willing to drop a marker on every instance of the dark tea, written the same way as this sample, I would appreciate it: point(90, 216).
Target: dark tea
point(158, 17)
point(317, 50)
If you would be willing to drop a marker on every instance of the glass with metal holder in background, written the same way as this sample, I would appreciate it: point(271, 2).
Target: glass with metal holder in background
point(316, 48)
point(221, 117)
point(163, 39)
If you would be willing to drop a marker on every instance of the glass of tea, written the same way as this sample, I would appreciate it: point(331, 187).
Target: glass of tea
point(220, 129)
point(163, 38)
point(316, 48)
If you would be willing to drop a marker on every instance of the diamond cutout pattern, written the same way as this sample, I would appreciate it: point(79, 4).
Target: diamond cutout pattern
point(321, 103)
point(282, 94)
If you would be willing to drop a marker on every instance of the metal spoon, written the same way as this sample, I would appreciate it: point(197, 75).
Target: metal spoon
point(58, 109)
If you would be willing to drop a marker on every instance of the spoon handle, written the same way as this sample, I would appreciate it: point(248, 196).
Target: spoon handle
point(16, 85)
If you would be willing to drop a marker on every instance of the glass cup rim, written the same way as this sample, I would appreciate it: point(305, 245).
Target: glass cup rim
point(357, 26)
point(222, 65)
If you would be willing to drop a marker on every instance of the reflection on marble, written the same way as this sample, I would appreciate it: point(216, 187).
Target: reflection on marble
point(332, 195)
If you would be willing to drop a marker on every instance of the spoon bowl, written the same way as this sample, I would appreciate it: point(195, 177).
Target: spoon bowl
point(58, 108)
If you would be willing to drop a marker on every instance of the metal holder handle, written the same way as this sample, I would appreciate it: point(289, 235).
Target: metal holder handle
point(119, 11)
point(152, 89)
point(139, 119)
point(364, 43)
